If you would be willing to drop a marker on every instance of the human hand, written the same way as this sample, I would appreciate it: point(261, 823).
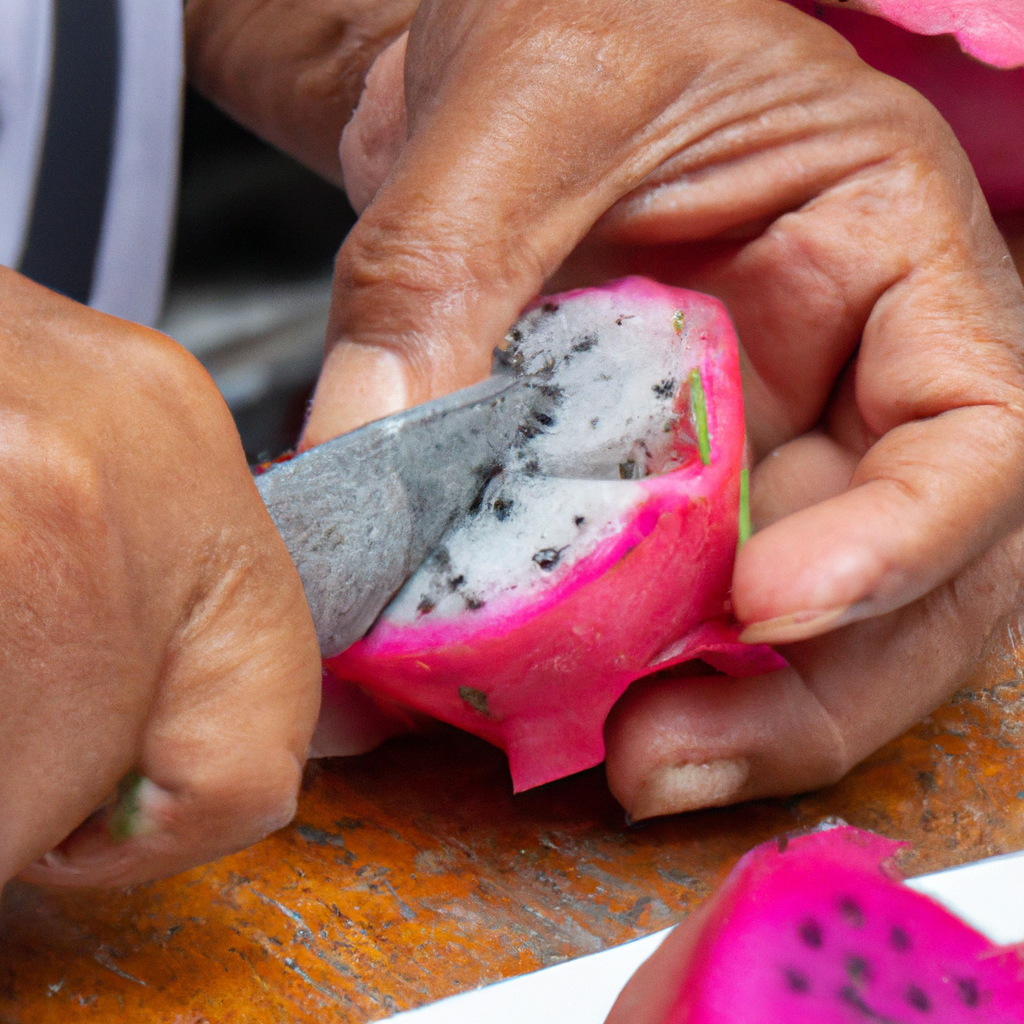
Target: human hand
point(151, 619)
point(743, 149)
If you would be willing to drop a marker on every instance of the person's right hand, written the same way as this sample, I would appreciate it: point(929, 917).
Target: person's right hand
point(739, 147)
point(151, 620)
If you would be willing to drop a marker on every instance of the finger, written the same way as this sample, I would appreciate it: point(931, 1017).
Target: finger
point(681, 744)
point(939, 380)
point(372, 141)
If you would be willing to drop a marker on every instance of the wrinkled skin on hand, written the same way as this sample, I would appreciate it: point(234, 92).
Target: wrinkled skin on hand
point(151, 620)
point(743, 149)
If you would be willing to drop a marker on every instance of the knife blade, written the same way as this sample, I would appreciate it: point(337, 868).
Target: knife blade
point(359, 514)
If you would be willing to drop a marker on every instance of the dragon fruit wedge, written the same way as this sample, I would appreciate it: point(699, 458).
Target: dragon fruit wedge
point(601, 551)
point(819, 929)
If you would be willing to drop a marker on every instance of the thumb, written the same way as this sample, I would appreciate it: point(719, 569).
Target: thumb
point(417, 308)
point(473, 207)
point(372, 140)
point(427, 282)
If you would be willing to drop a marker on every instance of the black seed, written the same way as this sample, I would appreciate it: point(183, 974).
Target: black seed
point(502, 358)
point(629, 470)
point(548, 558)
point(485, 474)
point(527, 431)
point(594, 421)
point(552, 391)
point(810, 934)
point(851, 912)
point(585, 344)
point(543, 418)
point(474, 604)
point(502, 507)
point(455, 582)
point(515, 334)
point(918, 999)
point(968, 989)
point(666, 389)
point(579, 520)
point(797, 982)
point(425, 606)
point(476, 699)
point(900, 939)
point(550, 307)
point(858, 970)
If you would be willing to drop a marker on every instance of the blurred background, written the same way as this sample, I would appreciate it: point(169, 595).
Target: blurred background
point(251, 279)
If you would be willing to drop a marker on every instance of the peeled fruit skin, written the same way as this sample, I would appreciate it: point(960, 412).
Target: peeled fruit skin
point(819, 929)
point(534, 665)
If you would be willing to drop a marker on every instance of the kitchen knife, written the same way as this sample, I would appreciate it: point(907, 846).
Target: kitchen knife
point(359, 514)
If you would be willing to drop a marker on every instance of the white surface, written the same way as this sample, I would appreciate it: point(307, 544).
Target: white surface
point(989, 894)
point(25, 53)
point(577, 992)
point(131, 261)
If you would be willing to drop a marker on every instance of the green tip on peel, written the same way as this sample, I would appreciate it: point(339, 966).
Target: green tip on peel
point(126, 821)
point(744, 506)
point(700, 416)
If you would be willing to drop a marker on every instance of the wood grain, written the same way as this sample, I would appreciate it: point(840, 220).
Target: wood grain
point(413, 873)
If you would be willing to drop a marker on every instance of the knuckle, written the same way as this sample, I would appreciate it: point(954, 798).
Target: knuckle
point(57, 536)
point(169, 373)
point(434, 252)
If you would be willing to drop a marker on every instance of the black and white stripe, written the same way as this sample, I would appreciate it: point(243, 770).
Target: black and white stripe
point(63, 237)
point(96, 226)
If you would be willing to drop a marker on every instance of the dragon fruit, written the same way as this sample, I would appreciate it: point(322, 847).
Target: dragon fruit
point(819, 929)
point(600, 552)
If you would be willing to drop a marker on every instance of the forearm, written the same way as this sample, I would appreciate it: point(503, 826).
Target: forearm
point(291, 70)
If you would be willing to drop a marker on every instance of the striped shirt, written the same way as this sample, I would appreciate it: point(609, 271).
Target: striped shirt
point(90, 110)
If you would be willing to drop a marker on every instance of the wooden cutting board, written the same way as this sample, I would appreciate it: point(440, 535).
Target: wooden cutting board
point(413, 873)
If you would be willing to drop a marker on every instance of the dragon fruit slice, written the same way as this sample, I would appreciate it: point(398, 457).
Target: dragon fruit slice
point(819, 929)
point(601, 552)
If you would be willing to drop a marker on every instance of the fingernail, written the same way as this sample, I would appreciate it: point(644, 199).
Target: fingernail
point(674, 788)
point(358, 384)
point(787, 629)
point(133, 814)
